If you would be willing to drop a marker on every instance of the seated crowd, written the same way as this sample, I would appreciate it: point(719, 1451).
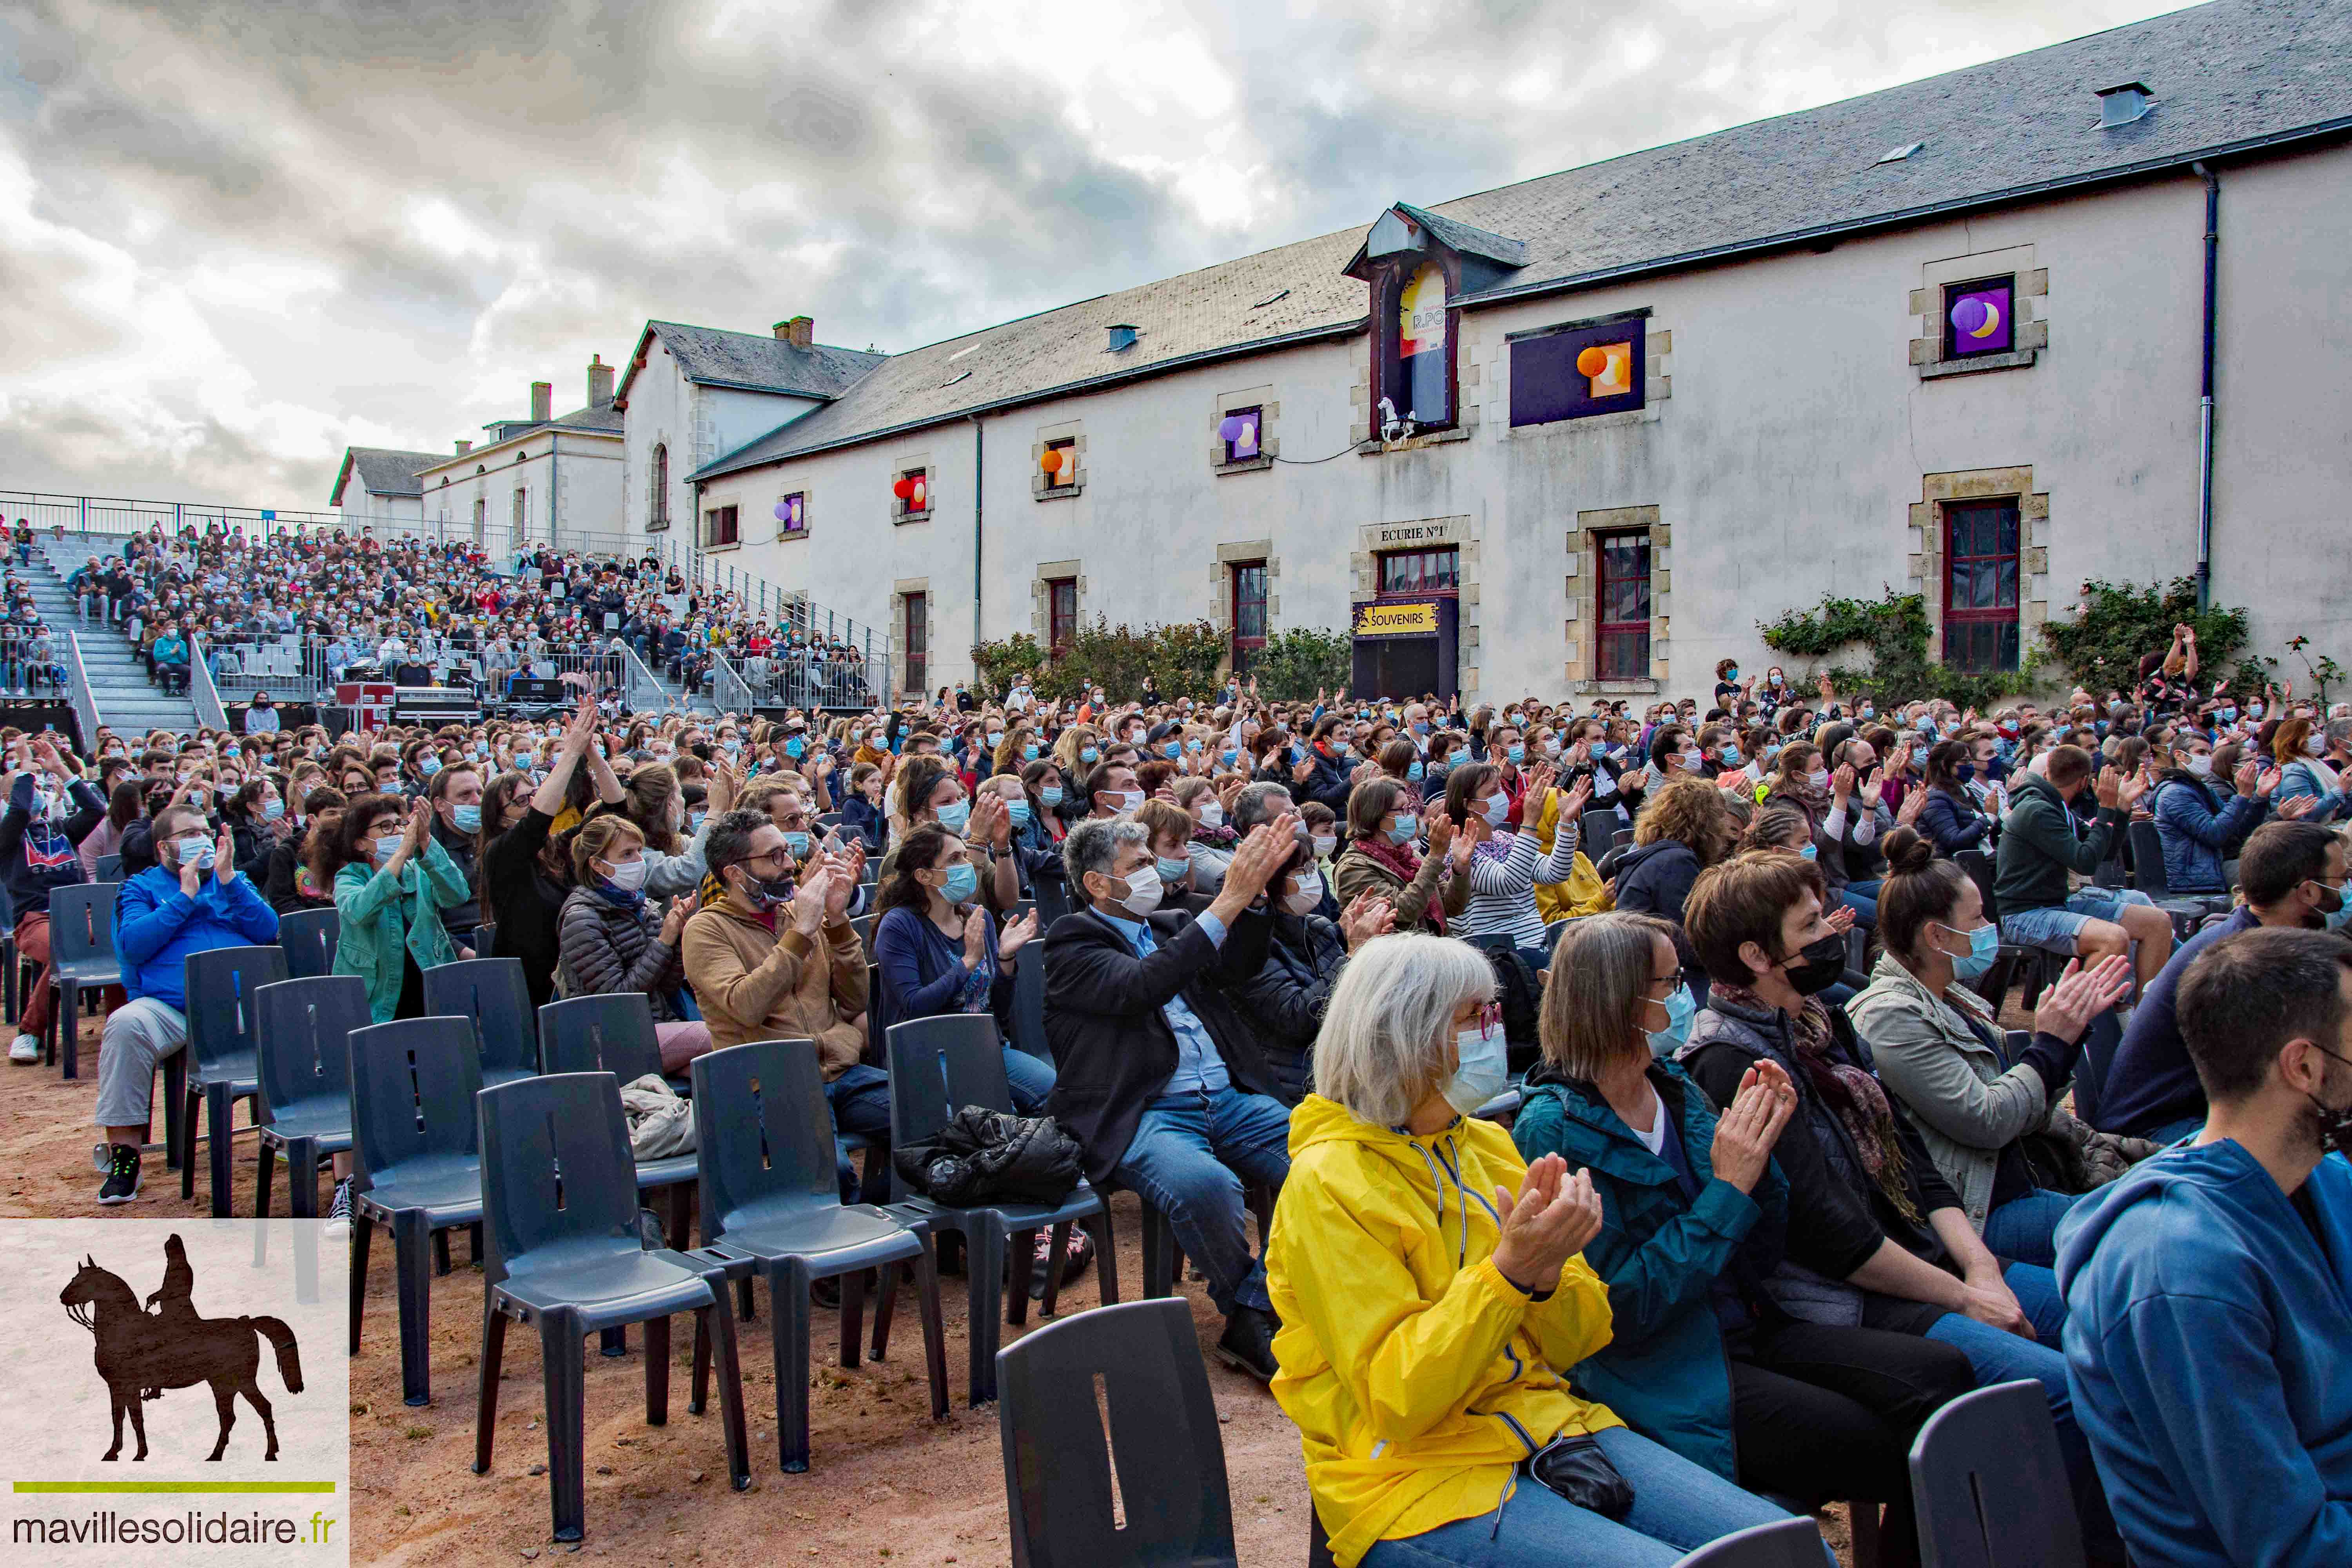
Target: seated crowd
point(1623, 1197)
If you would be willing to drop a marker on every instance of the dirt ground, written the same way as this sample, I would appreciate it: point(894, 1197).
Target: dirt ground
point(885, 1485)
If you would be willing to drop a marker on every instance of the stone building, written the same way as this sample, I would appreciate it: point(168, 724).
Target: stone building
point(544, 480)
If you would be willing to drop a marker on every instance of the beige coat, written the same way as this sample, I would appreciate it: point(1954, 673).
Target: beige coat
point(753, 984)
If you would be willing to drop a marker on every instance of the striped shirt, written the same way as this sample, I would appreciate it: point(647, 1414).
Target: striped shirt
point(1502, 891)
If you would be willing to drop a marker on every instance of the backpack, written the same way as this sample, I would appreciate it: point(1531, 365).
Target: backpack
point(981, 1157)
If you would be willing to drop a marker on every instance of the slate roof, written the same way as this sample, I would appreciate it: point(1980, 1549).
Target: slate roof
point(382, 472)
point(2233, 75)
point(755, 362)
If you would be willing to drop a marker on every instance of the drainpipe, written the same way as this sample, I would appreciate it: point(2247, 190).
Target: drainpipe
point(979, 490)
point(2205, 409)
point(552, 529)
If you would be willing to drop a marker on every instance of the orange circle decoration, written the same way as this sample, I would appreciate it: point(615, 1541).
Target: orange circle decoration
point(1051, 460)
point(1592, 362)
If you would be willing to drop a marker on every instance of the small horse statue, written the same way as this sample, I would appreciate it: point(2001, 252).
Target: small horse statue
point(173, 1348)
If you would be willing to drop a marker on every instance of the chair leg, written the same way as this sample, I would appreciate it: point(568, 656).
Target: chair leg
point(853, 1315)
point(560, 1355)
point(175, 1119)
point(731, 1387)
point(302, 1177)
point(1158, 1253)
point(1024, 1245)
point(701, 1376)
point(409, 1249)
point(218, 1109)
point(1106, 1256)
point(486, 1396)
point(789, 1308)
point(681, 1214)
point(612, 1343)
point(263, 1168)
point(886, 1304)
point(65, 1026)
point(1056, 1255)
point(658, 1370)
point(935, 1338)
point(1863, 1519)
point(190, 1118)
point(743, 1301)
point(362, 1230)
point(440, 1252)
point(473, 1241)
point(984, 1279)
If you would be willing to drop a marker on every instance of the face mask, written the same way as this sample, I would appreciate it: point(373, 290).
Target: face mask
point(629, 877)
point(1984, 946)
point(1142, 896)
point(1415, 772)
point(2253, 709)
point(2315, 743)
point(1324, 845)
point(1029, 753)
point(428, 766)
point(1680, 1011)
point(1401, 832)
point(1518, 752)
point(693, 820)
point(1484, 1072)
point(272, 808)
point(1496, 810)
point(1810, 851)
point(962, 883)
point(1819, 778)
point(1213, 816)
point(1868, 711)
point(1130, 799)
point(1308, 895)
point(797, 842)
point(994, 742)
point(955, 815)
point(1089, 754)
point(466, 819)
point(1051, 794)
point(1017, 811)
point(1731, 755)
point(1174, 870)
point(195, 850)
point(385, 848)
point(1690, 760)
point(1823, 963)
point(2202, 765)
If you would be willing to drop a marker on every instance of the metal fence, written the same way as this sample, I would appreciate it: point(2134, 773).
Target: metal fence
point(800, 678)
point(202, 693)
point(77, 690)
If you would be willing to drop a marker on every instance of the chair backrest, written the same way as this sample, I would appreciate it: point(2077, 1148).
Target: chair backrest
point(864, 926)
point(81, 921)
point(302, 1039)
point(2147, 861)
point(1597, 830)
point(1989, 1485)
point(610, 1033)
point(494, 995)
point(308, 937)
point(1979, 865)
point(936, 1067)
point(223, 1019)
point(1790, 1544)
point(413, 1084)
point(1053, 897)
point(558, 1179)
point(1029, 1001)
point(2099, 1044)
point(761, 1129)
point(110, 868)
point(1624, 837)
point(1117, 1391)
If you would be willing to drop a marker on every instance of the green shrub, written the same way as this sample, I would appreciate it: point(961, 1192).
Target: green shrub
point(1294, 665)
point(1892, 630)
point(1182, 658)
point(2117, 625)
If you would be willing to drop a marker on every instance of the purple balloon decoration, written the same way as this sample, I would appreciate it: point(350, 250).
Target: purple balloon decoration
point(784, 512)
point(1229, 427)
point(1970, 314)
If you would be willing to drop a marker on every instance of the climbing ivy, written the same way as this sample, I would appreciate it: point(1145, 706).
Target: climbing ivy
point(1893, 631)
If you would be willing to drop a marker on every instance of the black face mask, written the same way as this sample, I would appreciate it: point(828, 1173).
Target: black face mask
point(1824, 965)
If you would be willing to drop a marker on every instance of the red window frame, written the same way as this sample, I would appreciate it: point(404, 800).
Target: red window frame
point(1983, 566)
point(1247, 583)
point(661, 486)
point(719, 526)
point(915, 627)
point(1061, 613)
point(1621, 605)
point(1408, 573)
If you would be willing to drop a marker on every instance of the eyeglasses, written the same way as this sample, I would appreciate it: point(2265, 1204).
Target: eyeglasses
point(1490, 1019)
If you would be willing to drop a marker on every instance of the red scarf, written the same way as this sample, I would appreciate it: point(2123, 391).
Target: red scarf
point(1400, 861)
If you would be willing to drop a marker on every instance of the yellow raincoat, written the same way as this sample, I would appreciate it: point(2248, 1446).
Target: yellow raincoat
point(1583, 893)
point(1418, 1375)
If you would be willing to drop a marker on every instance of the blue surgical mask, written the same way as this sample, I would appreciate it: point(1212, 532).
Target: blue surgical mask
point(1680, 1011)
point(1174, 870)
point(962, 883)
point(954, 814)
point(1518, 751)
point(428, 766)
point(1810, 851)
point(1415, 772)
point(1731, 755)
point(1173, 749)
point(1051, 794)
point(1089, 754)
point(1402, 832)
point(466, 819)
point(1018, 810)
point(795, 747)
point(1984, 946)
point(272, 808)
point(798, 843)
point(1485, 1071)
point(1029, 751)
point(1228, 756)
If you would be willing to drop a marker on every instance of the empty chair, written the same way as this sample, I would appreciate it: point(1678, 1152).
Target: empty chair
point(1790, 1544)
point(569, 1255)
point(864, 926)
point(222, 1024)
point(414, 1162)
point(1029, 1002)
point(764, 1142)
point(81, 956)
point(303, 1070)
point(110, 868)
point(937, 1066)
point(1120, 1390)
point(308, 939)
point(494, 995)
point(613, 1033)
point(2149, 876)
point(1989, 1485)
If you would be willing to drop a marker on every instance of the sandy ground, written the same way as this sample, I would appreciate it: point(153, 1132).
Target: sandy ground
point(885, 1486)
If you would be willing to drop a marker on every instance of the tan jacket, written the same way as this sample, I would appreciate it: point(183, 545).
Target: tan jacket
point(752, 984)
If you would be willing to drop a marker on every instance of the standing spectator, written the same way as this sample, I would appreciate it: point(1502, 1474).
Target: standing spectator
point(49, 812)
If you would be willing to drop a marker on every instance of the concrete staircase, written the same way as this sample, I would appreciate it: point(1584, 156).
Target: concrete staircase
point(126, 699)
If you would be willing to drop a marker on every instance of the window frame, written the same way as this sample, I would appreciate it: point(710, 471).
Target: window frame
point(1063, 479)
point(1257, 413)
point(1950, 348)
point(800, 511)
point(1573, 338)
point(1060, 631)
point(1388, 372)
point(1426, 584)
point(1958, 620)
point(711, 524)
point(1604, 630)
point(659, 516)
point(1242, 645)
point(905, 511)
point(915, 635)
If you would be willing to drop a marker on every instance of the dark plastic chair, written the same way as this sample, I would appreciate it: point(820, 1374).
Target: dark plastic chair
point(864, 926)
point(223, 1022)
point(308, 938)
point(613, 1033)
point(1989, 1485)
point(303, 1068)
point(110, 868)
point(1790, 1544)
point(938, 1066)
point(81, 956)
point(416, 1165)
point(2029, 966)
point(492, 992)
point(1625, 836)
point(1029, 1001)
point(1052, 896)
point(571, 1254)
point(12, 963)
point(2149, 876)
point(771, 1207)
point(1121, 1387)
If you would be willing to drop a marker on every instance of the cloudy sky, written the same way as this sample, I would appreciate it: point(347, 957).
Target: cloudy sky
point(234, 239)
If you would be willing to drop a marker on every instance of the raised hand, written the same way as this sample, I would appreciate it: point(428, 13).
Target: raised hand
point(2250, 780)
point(1368, 917)
point(225, 859)
point(1440, 828)
point(2266, 784)
point(1872, 786)
point(976, 938)
point(1546, 1225)
point(1015, 936)
point(1842, 783)
point(673, 924)
point(2298, 809)
point(2128, 792)
point(2109, 789)
point(809, 898)
point(1539, 783)
point(1914, 803)
point(1840, 919)
point(1745, 1134)
point(1261, 853)
point(2080, 995)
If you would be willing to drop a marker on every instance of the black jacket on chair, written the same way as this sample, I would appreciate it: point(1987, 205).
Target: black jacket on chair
point(1281, 1006)
point(1113, 1050)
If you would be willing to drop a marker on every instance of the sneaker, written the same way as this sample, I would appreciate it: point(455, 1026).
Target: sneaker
point(23, 1048)
point(121, 1176)
point(1247, 1343)
point(339, 1213)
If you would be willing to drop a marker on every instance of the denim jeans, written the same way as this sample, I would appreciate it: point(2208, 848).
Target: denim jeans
point(2025, 1229)
point(1865, 907)
point(1032, 1079)
point(1677, 1507)
point(860, 1100)
point(1191, 1154)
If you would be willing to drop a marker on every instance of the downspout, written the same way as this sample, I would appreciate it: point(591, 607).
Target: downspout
point(554, 528)
point(978, 491)
point(2205, 408)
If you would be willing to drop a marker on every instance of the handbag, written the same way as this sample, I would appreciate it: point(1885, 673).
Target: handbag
point(1576, 1470)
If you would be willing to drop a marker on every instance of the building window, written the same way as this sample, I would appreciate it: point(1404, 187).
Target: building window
point(1625, 605)
point(1249, 612)
point(718, 527)
point(1979, 318)
point(1415, 345)
point(1422, 571)
point(915, 625)
point(522, 514)
point(1240, 433)
point(481, 517)
point(658, 517)
point(791, 515)
point(1578, 371)
point(911, 494)
point(1060, 463)
point(1980, 585)
point(1061, 613)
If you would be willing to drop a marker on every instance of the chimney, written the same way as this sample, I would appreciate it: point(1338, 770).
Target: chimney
point(464, 448)
point(542, 401)
point(600, 381)
point(800, 331)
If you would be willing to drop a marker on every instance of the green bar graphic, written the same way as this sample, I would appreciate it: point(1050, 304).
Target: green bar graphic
point(244, 1487)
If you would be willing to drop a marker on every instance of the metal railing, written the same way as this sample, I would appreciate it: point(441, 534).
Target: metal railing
point(640, 692)
point(77, 691)
point(119, 515)
point(202, 693)
point(729, 691)
point(799, 677)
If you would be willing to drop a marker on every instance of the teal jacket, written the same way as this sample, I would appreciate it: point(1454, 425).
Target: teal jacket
point(382, 915)
point(1663, 1369)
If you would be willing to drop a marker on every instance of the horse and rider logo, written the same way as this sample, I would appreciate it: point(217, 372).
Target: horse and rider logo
point(142, 1353)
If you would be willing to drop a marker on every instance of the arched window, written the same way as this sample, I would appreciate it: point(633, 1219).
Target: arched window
point(659, 516)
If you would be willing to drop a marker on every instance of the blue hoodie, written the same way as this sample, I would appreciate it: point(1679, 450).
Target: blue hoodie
point(2206, 1342)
